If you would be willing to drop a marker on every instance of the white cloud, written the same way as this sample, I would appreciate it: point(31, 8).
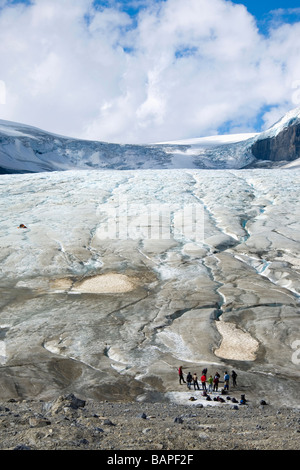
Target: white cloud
point(182, 69)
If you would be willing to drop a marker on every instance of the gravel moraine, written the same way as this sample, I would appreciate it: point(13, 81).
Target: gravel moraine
point(72, 423)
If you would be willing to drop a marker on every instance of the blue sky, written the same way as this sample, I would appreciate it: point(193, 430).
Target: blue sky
point(257, 7)
point(263, 7)
point(144, 71)
point(260, 9)
point(264, 11)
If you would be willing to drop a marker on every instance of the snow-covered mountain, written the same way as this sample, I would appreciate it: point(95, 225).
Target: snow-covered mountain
point(281, 142)
point(291, 118)
point(28, 149)
point(25, 148)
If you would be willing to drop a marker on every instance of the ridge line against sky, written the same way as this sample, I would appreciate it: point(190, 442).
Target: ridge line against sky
point(142, 71)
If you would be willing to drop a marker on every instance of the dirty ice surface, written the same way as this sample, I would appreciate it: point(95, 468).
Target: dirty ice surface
point(120, 277)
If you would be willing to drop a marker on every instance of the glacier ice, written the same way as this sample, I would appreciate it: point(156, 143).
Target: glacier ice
point(28, 149)
point(243, 270)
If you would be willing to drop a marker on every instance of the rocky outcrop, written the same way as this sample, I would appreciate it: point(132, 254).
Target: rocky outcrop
point(283, 147)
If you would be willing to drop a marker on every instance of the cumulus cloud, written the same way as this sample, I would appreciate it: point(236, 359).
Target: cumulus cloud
point(178, 69)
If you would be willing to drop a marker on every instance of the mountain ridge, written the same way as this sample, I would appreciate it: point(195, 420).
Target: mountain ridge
point(25, 148)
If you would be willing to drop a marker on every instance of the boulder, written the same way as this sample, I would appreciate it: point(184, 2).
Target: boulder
point(63, 402)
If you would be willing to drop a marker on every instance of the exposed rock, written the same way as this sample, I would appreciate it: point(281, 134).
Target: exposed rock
point(22, 447)
point(178, 419)
point(63, 403)
point(108, 422)
point(38, 422)
point(283, 147)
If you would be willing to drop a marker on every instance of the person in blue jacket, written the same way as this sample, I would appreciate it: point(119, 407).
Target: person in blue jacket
point(226, 381)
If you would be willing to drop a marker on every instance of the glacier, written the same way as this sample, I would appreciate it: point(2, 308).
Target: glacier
point(121, 262)
point(28, 149)
point(121, 276)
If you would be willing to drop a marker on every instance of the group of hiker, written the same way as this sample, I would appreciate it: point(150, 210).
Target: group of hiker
point(212, 381)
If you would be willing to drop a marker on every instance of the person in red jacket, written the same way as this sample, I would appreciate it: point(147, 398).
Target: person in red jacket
point(203, 381)
point(180, 373)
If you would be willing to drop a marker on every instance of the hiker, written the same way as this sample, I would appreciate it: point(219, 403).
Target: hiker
point(234, 376)
point(22, 226)
point(189, 380)
point(203, 382)
point(226, 381)
point(204, 372)
point(180, 373)
point(216, 381)
point(210, 383)
point(195, 380)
